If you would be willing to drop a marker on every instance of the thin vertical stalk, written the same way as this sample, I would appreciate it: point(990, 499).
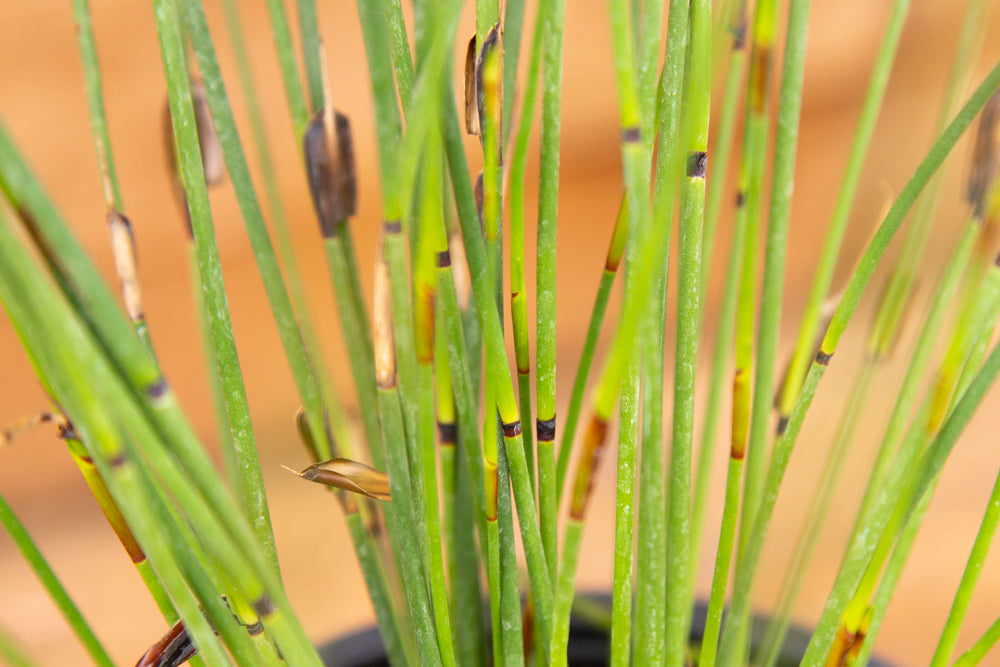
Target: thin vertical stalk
point(656, 552)
point(216, 306)
point(471, 477)
point(510, 592)
point(651, 570)
point(95, 104)
point(389, 622)
point(859, 280)
point(616, 248)
point(401, 511)
point(518, 288)
point(726, 315)
point(694, 134)
point(122, 243)
point(748, 202)
point(565, 590)
point(432, 250)
point(628, 437)
point(723, 560)
point(294, 95)
point(545, 307)
point(309, 32)
point(279, 219)
point(786, 140)
point(497, 366)
point(970, 576)
point(236, 165)
point(845, 199)
point(819, 508)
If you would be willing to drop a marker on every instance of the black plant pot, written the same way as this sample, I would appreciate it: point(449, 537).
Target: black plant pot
point(589, 645)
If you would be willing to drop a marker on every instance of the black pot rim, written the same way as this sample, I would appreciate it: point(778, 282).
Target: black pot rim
point(589, 645)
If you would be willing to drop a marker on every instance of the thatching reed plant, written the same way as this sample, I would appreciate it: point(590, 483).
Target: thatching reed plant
point(465, 479)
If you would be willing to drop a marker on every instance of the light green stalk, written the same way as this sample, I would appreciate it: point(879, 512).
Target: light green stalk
point(78, 624)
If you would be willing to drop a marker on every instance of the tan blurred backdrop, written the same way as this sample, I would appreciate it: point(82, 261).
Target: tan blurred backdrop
point(42, 105)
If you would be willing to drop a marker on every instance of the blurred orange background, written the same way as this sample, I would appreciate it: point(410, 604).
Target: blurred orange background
point(42, 105)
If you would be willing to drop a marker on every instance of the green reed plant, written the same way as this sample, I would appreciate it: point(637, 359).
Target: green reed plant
point(447, 477)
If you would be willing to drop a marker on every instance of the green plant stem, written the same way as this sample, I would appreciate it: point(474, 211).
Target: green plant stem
point(215, 304)
point(431, 248)
point(75, 372)
point(102, 146)
point(932, 461)
point(518, 287)
point(403, 526)
point(748, 202)
point(859, 280)
point(52, 585)
point(651, 567)
point(725, 318)
point(982, 646)
point(612, 260)
point(723, 560)
point(904, 276)
point(294, 95)
point(845, 200)
point(296, 353)
point(695, 122)
point(466, 592)
point(565, 591)
point(400, 50)
point(282, 232)
point(510, 595)
point(497, 366)
point(309, 31)
point(628, 436)
point(944, 294)
point(782, 184)
point(822, 503)
point(95, 103)
point(11, 651)
point(386, 614)
point(545, 283)
point(357, 336)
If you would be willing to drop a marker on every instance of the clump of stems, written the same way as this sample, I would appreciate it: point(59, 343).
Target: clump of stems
point(454, 467)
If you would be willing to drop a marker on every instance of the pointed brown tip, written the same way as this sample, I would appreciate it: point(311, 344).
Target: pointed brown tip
point(351, 476)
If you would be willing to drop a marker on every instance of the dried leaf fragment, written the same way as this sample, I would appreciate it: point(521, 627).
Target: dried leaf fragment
point(330, 168)
point(349, 476)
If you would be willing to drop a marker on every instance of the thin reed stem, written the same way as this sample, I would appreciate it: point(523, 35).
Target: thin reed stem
point(628, 439)
point(842, 209)
point(982, 646)
point(612, 261)
point(726, 314)
point(216, 306)
point(77, 623)
point(294, 95)
point(859, 280)
point(694, 134)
